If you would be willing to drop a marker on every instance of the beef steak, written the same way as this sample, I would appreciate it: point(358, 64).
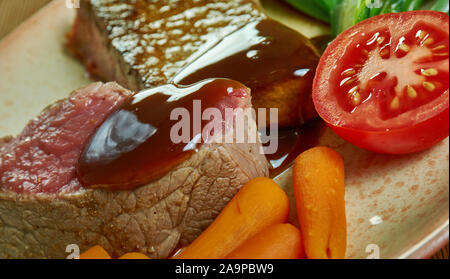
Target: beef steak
point(142, 44)
point(43, 207)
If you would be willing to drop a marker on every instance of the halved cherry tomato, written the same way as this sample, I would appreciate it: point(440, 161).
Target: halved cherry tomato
point(383, 84)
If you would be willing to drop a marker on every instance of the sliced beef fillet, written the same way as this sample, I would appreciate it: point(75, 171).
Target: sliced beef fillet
point(142, 44)
point(44, 208)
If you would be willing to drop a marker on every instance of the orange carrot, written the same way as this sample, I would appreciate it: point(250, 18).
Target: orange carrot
point(95, 253)
point(281, 241)
point(258, 205)
point(319, 190)
point(134, 256)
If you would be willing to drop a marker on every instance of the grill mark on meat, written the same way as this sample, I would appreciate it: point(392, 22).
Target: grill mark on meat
point(147, 42)
point(102, 33)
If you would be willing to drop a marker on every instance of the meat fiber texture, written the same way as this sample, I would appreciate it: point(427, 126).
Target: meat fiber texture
point(43, 207)
point(141, 44)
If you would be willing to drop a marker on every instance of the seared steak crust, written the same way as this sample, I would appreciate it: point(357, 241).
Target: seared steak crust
point(143, 43)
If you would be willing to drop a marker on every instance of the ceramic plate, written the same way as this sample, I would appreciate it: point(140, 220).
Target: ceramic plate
point(397, 206)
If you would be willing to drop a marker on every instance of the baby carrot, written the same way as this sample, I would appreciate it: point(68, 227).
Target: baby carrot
point(319, 190)
point(134, 256)
point(95, 253)
point(281, 241)
point(259, 204)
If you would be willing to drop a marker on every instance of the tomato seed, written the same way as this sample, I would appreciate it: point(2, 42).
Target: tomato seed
point(421, 34)
point(431, 72)
point(348, 81)
point(412, 93)
point(441, 54)
point(395, 104)
point(428, 42)
point(349, 72)
point(404, 48)
point(384, 53)
point(353, 90)
point(439, 47)
point(429, 86)
point(356, 99)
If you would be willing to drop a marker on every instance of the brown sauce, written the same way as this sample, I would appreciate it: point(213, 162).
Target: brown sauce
point(134, 145)
point(258, 55)
point(321, 42)
point(292, 142)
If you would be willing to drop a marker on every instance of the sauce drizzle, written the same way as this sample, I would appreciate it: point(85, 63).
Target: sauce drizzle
point(258, 55)
point(292, 142)
point(134, 145)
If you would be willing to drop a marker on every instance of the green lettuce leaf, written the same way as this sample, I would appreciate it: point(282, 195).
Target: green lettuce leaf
point(342, 14)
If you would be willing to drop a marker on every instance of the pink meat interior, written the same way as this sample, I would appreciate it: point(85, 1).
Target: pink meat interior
point(43, 158)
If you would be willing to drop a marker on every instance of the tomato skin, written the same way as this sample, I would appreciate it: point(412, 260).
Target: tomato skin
point(399, 141)
point(428, 125)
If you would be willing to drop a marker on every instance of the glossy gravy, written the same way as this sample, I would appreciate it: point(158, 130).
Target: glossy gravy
point(133, 146)
point(258, 55)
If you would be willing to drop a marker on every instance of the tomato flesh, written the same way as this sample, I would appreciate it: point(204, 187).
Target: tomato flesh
point(384, 84)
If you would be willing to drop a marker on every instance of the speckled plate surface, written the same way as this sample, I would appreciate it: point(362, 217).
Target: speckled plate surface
point(397, 206)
